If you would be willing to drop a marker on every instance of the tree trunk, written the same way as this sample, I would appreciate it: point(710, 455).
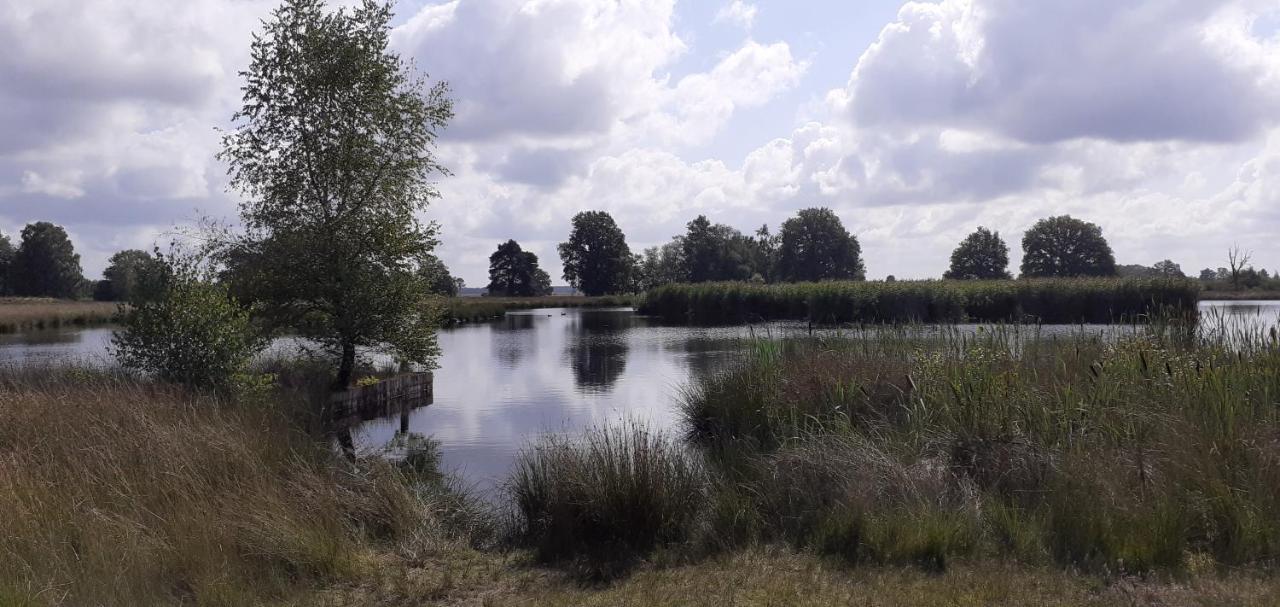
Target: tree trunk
point(346, 367)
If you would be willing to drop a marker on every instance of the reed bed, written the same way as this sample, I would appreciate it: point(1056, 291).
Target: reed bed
point(1053, 301)
point(1147, 452)
point(35, 313)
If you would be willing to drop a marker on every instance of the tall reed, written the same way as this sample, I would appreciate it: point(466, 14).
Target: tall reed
point(1108, 452)
point(1055, 301)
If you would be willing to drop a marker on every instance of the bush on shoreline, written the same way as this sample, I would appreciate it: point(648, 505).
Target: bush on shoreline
point(1052, 301)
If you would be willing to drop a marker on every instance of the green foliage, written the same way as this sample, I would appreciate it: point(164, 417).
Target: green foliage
point(982, 255)
point(662, 265)
point(6, 262)
point(597, 260)
point(716, 252)
point(514, 272)
point(1066, 247)
point(189, 330)
point(814, 246)
point(45, 264)
point(613, 495)
point(1097, 300)
point(437, 277)
point(126, 272)
point(333, 152)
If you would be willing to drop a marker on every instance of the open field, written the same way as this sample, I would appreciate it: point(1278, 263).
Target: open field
point(1098, 300)
point(33, 313)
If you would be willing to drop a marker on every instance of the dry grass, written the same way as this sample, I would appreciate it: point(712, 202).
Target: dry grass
point(121, 493)
point(776, 577)
point(27, 313)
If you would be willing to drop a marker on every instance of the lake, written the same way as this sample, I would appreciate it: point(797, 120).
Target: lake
point(502, 383)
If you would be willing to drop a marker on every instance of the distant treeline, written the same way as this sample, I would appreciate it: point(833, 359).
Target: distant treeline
point(814, 246)
point(1087, 300)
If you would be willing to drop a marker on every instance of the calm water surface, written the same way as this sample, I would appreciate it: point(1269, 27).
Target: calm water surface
point(501, 384)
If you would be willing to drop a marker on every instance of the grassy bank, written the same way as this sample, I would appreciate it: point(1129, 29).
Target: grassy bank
point(1035, 301)
point(457, 310)
point(34, 313)
point(117, 492)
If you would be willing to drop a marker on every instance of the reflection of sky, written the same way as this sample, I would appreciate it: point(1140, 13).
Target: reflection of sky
point(502, 383)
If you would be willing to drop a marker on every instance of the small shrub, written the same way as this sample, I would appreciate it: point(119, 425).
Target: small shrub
point(189, 331)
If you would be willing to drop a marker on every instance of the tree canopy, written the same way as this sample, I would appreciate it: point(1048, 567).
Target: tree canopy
point(597, 260)
point(46, 264)
point(438, 278)
point(982, 255)
point(712, 252)
point(6, 260)
point(662, 265)
point(1066, 247)
point(333, 152)
point(814, 246)
point(126, 272)
point(514, 272)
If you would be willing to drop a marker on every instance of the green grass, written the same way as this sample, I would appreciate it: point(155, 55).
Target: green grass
point(1108, 454)
point(1033, 301)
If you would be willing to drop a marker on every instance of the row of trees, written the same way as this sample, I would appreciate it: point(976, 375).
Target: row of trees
point(812, 246)
point(45, 264)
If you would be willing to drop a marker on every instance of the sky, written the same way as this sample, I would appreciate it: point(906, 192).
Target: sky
point(916, 122)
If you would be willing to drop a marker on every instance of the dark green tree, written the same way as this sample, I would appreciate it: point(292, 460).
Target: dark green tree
point(514, 272)
point(6, 260)
point(982, 255)
point(662, 265)
point(1168, 269)
point(333, 153)
point(1066, 247)
point(125, 271)
point(712, 252)
point(814, 246)
point(438, 278)
point(46, 264)
point(597, 260)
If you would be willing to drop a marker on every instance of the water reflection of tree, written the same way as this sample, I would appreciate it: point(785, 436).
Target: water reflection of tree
point(597, 348)
point(513, 338)
point(597, 361)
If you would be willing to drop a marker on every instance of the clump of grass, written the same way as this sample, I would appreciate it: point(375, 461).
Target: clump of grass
point(1057, 301)
point(607, 497)
point(119, 492)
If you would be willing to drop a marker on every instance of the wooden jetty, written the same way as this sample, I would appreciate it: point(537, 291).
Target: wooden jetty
point(398, 394)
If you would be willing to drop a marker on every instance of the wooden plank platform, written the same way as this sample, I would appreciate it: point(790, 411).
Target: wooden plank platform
point(398, 394)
